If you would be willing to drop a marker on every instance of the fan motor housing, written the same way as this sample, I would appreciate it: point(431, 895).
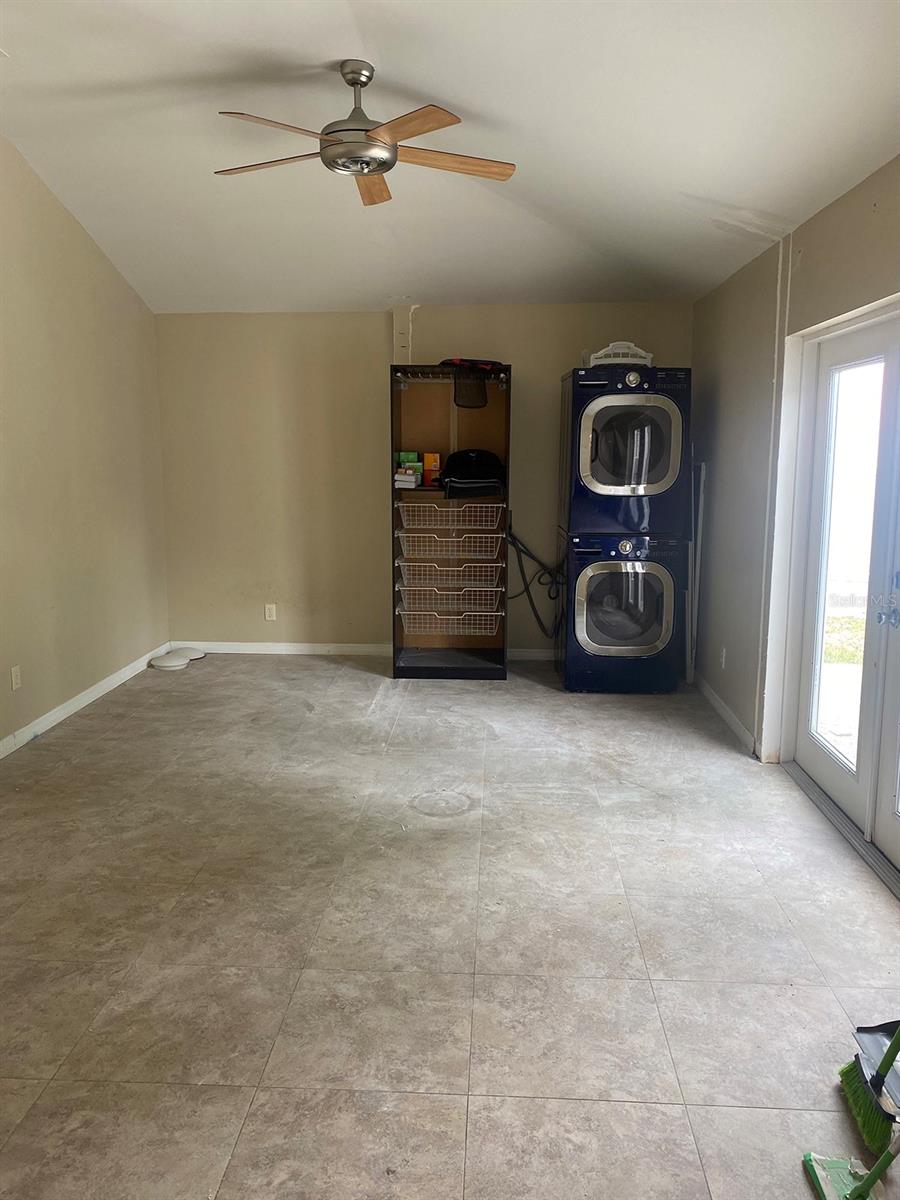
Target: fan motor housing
point(356, 153)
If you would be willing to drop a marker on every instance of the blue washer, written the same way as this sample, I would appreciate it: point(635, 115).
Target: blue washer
point(625, 451)
point(622, 613)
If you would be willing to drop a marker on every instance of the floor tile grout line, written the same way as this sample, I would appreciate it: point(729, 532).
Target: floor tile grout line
point(798, 934)
point(482, 973)
point(665, 1032)
point(687, 1108)
point(404, 697)
point(368, 1091)
point(310, 945)
point(127, 969)
point(465, 1148)
point(659, 1015)
point(465, 1160)
point(237, 1138)
point(16, 1124)
point(687, 1113)
point(477, 910)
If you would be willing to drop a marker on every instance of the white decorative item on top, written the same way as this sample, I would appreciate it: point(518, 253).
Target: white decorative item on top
point(617, 352)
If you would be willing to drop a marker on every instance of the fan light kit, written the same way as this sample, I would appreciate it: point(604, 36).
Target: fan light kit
point(368, 149)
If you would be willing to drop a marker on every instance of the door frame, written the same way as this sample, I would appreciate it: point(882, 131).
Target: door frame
point(791, 483)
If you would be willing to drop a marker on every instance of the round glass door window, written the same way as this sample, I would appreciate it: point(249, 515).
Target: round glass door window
point(630, 445)
point(624, 609)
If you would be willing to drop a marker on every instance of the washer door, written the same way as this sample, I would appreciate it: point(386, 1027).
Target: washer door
point(629, 445)
point(624, 609)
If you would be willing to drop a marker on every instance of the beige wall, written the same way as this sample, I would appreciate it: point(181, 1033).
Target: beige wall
point(276, 467)
point(276, 435)
point(845, 257)
point(82, 584)
point(734, 364)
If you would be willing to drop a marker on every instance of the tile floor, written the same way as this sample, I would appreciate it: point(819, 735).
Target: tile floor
point(287, 928)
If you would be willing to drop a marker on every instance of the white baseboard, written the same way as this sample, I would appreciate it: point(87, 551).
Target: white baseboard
point(363, 648)
point(382, 649)
point(41, 724)
point(741, 732)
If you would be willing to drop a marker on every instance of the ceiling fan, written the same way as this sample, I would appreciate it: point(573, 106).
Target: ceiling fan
point(367, 149)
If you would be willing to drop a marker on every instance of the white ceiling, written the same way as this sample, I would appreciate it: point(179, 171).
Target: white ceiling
point(660, 143)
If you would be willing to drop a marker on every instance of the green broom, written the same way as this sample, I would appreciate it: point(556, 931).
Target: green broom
point(843, 1179)
point(874, 1106)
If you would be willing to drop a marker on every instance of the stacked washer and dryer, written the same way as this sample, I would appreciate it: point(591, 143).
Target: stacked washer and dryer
point(625, 525)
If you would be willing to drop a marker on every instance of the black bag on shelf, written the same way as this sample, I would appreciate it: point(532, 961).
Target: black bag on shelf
point(473, 473)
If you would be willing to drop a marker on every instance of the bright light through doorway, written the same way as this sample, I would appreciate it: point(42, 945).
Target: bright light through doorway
point(854, 416)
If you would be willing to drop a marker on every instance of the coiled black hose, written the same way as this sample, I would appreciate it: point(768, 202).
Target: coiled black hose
point(544, 575)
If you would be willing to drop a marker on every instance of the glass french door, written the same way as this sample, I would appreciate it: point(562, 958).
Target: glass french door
point(848, 731)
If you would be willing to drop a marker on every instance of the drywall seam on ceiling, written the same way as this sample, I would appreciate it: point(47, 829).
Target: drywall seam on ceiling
point(39, 725)
point(737, 727)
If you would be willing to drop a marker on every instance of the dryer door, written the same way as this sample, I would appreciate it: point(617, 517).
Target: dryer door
point(624, 609)
point(629, 445)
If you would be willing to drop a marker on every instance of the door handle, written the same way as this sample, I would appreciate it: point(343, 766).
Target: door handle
point(892, 618)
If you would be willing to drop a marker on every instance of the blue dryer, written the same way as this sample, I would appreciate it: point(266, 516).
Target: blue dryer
point(625, 450)
point(622, 613)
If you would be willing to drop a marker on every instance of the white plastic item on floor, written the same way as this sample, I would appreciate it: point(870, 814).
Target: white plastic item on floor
point(192, 652)
point(175, 660)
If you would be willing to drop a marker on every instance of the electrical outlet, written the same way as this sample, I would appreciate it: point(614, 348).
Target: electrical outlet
point(15, 675)
point(723, 658)
point(270, 612)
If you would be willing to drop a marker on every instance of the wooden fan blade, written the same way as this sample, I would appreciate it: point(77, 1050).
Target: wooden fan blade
point(414, 124)
point(273, 162)
point(373, 189)
point(320, 137)
point(486, 168)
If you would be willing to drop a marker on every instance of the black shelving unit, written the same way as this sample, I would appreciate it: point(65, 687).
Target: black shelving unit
point(449, 555)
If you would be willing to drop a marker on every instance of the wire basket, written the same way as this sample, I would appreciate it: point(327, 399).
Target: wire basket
point(471, 545)
point(430, 575)
point(464, 625)
point(468, 600)
point(464, 516)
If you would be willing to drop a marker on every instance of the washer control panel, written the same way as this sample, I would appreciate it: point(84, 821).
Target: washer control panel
point(610, 547)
